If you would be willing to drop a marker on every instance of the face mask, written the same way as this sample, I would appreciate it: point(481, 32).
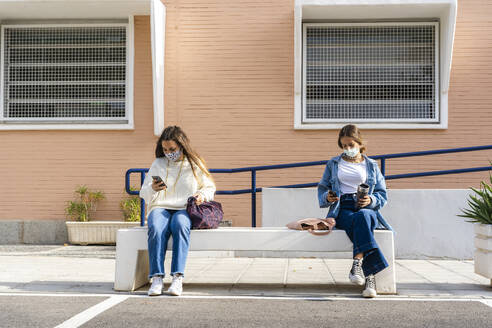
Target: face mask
point(351, 152)
point(173, 156)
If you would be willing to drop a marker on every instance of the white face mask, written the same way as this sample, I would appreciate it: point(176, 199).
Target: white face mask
point(351, 152)
point(174, 156)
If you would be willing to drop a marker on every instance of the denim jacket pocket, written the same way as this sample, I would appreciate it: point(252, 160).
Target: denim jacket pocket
point(334, 185)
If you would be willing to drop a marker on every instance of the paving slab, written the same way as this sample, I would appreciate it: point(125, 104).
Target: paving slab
point(261, 271)
point(53, 274)
point(220, 271)
point(462, 268)
point(299, 270)
point(90, 269)
point(339, 269)
point(406, 275)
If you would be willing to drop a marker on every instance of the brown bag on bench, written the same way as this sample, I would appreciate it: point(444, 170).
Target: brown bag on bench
point(312, 224)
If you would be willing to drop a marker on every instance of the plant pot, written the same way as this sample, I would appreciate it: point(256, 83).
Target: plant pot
point(95, 232)
point(483, 251)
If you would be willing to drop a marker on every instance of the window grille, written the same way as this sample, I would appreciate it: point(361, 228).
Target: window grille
point(64, 73)
point(383, 72)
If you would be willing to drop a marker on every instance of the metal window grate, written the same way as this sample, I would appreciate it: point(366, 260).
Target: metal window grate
point(370, 73)
point(57, 73)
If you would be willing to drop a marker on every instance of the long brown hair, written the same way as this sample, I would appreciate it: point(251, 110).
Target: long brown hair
point(176, 134)
point(353, 132)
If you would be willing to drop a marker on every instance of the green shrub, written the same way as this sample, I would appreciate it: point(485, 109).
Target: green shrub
point(480, 204)
point(131, 207)
point(82, 208)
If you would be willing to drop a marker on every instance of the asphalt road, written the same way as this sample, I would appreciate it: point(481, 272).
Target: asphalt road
point(36, 311)
point(50, 311)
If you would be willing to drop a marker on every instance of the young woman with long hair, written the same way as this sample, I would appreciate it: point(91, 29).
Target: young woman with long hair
point(358, 217)
point(180, 173)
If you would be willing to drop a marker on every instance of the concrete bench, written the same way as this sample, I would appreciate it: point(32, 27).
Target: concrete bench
point(132, 266)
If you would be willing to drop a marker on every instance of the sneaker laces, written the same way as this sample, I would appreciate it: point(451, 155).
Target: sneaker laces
point(156, 280)
point(177, 279)
point(156, 284)
point(371, 281)
point(357, 268)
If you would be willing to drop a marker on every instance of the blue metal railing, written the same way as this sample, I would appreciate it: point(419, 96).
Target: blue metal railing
point(253, 169)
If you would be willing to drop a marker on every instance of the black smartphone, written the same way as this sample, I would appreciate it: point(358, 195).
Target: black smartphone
point(159, 180)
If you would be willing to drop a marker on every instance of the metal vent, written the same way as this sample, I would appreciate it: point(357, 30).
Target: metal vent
point(370, 73)
point(64, 73)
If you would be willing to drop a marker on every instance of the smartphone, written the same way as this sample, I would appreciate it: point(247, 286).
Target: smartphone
point(159, 180)
point(332, 193)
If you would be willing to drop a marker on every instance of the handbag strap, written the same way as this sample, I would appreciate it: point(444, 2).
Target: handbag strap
point(315, 230)
point(319, 232)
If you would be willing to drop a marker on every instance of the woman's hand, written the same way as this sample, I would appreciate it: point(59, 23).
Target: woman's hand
point(199, 198)
point(331, 221)
point(331, 197)
point(158, 185)
point(363, 202)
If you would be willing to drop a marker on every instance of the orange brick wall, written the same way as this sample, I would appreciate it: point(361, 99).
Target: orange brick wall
point(229, 84)
point(40, 169)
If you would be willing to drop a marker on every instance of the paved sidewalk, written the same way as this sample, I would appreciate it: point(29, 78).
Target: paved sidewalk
point(90, 269)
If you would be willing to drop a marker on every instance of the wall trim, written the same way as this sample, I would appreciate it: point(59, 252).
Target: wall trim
point(377, 10)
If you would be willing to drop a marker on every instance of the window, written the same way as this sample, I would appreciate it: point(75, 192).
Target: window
point(72, 74)
point(370, 72)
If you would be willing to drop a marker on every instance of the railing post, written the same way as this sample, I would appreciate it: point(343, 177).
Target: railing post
point(253, 198)
point(383, 166)
point(142, 201)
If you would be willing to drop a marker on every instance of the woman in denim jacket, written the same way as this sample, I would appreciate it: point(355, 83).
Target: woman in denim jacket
point(337, 190)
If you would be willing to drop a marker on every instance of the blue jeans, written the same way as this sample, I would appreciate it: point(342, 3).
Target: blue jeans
point(163, 223)
point(359, 225)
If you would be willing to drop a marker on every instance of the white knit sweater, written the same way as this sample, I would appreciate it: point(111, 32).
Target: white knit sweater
point(176, 195)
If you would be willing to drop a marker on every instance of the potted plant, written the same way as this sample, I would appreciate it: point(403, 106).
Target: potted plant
point(82, 230)
point(480, 213)
point(84, 206)
point(131, 207)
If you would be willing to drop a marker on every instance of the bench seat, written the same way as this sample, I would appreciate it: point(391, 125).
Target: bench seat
point(132, 266)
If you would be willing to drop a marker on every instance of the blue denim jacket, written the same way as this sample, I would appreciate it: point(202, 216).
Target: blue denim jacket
point(375, 180)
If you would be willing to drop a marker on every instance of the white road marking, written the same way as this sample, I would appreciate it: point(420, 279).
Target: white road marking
point(61, 294)
point(81, 318)
point(487, 302)
point(356, 297)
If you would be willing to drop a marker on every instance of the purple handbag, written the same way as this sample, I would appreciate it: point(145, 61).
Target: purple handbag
point(207, 215)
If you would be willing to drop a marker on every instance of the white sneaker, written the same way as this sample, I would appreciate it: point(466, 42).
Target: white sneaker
point(157, 286)
point(176, 286)
point(370, 289)
point(356, 274)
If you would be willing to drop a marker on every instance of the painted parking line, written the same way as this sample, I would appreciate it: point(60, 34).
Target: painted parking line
point(83, 317)
point(487, 301)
